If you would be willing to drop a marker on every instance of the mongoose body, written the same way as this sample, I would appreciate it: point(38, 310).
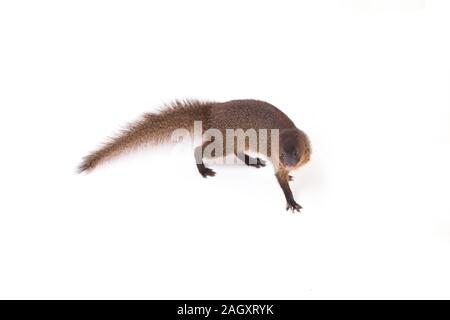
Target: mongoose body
point(248, 114)
point(292, 145)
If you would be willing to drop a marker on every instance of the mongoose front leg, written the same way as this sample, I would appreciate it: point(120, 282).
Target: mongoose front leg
point(250, 161)
point(202, 169)
point(283, 180)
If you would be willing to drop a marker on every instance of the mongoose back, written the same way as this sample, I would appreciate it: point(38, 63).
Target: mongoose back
point(287, 150)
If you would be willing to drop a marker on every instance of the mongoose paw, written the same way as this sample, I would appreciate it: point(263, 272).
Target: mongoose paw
point(207, 172)
point(257, 163)
point(294, 206)
point(291, 178)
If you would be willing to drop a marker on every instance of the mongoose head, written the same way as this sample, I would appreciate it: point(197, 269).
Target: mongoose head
point(294, 149)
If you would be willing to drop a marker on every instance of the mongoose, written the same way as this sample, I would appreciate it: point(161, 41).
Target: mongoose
point(293, 145)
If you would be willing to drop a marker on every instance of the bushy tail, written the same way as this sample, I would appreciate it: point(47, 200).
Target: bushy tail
point(151, 128)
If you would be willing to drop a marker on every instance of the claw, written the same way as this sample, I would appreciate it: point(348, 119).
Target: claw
point(207, 172)
point(294, 206)
point(257, 163)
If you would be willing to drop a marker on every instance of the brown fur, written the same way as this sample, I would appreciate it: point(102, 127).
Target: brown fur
point(235, 114)
point(151, 128)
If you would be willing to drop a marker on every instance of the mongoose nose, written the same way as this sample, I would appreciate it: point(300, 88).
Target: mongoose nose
point(290, 162)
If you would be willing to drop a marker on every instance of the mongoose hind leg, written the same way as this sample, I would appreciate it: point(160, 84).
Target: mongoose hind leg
point(250, 161)
point(202, 169)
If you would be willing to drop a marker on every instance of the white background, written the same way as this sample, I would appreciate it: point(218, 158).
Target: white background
point(369, 81)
